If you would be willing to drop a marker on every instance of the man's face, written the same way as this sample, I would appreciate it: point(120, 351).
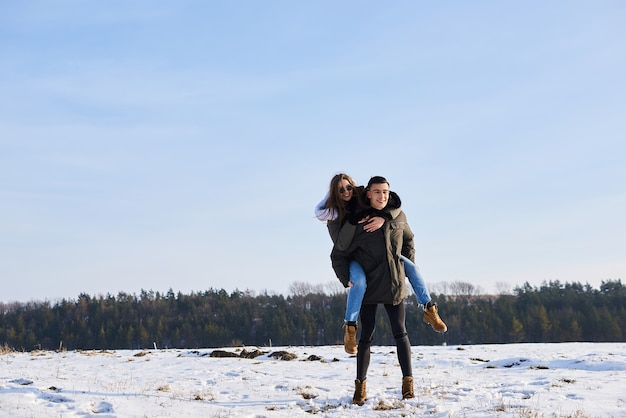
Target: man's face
point(378, 194)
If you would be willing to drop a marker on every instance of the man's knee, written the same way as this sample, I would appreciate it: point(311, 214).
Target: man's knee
point(400, 336)
point(365, 343)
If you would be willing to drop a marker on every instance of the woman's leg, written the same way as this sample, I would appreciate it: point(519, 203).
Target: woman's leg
point(356, 292)
point(368, 326)
point(431, 312)
point(416, 280)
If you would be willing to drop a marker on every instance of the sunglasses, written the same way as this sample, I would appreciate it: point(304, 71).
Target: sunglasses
point(348, 188)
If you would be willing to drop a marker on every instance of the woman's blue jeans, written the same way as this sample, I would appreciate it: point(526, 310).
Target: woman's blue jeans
point(359, 284)
point(416, 280)
point(356, 292)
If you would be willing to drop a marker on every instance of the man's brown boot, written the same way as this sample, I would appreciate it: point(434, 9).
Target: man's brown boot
point(359, 392)
point(431, 317)
point(349, 339)
point(407, 387)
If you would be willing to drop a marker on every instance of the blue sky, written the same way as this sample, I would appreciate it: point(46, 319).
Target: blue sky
point(156, 144)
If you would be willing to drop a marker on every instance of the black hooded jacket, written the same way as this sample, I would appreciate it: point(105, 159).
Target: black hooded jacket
point(378, 252)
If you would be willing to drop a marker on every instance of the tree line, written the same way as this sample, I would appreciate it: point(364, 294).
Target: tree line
point(552, 312)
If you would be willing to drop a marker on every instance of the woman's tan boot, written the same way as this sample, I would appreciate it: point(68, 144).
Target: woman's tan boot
point(359, 392)
point(349, 339)
point(431, 317)
point(407, 387)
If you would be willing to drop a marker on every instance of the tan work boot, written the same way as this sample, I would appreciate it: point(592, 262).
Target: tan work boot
point(359, 392)
point(407, 387)
point(431, 317)
point(349, 339)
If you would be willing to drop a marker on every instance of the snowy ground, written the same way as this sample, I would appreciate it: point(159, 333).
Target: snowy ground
point(515, 380)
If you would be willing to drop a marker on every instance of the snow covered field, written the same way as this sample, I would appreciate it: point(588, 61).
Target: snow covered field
point(514, 380)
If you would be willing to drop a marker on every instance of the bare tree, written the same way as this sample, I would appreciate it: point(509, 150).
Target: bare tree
point(503, 288)
point(334, 288)
point(299, 288)
point(464, 289)
point(441, 288)
point(304, 288)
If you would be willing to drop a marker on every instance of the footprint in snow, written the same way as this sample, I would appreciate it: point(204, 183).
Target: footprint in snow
point(102, 408)
point(21, 381)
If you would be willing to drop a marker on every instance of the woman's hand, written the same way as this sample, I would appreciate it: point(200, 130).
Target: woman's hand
point(372, 224)
point(350, 284)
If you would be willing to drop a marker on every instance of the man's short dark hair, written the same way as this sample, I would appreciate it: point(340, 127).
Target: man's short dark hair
point(376, 180)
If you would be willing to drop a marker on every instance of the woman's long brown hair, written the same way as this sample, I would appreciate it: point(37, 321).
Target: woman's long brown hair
point(335, 203)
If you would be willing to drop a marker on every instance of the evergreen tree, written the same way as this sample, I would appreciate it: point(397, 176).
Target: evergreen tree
point(553, 312)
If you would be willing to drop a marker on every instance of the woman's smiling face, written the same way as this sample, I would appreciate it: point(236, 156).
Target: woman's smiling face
point(345, 190)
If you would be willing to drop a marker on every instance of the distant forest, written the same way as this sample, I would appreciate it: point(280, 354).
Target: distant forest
point(553, 312)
